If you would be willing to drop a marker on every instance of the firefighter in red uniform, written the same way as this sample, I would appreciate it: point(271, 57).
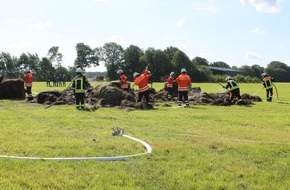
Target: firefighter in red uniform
point(141, 80)
point(28, 84)
point(268, 84)
point(169, 85)
point(123, 80)
point(184, 83)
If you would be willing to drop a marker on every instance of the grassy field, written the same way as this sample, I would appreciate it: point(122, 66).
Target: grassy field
point(201, 147)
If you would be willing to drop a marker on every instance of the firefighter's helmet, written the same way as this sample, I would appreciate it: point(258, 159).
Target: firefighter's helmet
point(183, 70)
point(79, 70)
point(228, 78)
point(135, 74)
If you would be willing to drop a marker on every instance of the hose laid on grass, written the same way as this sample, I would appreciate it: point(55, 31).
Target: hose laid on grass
point(110, 158)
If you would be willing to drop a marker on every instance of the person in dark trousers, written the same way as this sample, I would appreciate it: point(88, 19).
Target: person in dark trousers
point(169, 85)
point(268, 85)
point(28, 84)
point(79, 85)
point(233, 88)
point(141, 80)
point(123, 80)
point(184, 83)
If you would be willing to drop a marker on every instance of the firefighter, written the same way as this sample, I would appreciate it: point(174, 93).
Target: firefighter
point(268, 85)
point(141, 80)
point(123, 80)
point(169, 85)
point(28, 84)
point(79, 85)
point(233, 88)
point(184, 83)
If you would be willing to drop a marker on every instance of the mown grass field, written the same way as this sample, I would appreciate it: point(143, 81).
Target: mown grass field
point(202, 147)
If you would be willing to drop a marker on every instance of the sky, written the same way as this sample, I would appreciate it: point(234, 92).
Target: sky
point(238, 32)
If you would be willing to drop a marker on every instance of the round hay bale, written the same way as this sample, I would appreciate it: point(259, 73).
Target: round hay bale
point(111, 96)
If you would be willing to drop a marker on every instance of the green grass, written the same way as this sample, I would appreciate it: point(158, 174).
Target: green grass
point(203, 147)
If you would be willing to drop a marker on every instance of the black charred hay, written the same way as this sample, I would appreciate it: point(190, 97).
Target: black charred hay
point(112, 96)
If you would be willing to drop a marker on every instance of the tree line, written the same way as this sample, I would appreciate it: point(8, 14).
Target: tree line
point(134, 59)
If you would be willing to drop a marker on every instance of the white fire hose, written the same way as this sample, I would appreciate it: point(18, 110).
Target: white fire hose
point(110, 158)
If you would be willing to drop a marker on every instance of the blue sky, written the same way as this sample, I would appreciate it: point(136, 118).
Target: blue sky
point(238, 32)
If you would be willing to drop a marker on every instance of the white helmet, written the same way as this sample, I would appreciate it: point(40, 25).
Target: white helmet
point(264, 74)
point(135, 74)
point(228, 78)
point(172, 73)
point(79, 70)
point(183, 70)
point(120, 71)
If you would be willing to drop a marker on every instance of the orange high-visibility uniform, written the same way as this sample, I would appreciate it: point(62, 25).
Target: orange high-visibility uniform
point(124, 81)
point(183, 81)
point(170, 81)
point(28, 79)
point(142, 81)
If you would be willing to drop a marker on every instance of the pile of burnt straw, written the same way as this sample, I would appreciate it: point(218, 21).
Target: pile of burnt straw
point(100, 96)
point(111, 96)
point(197, 97)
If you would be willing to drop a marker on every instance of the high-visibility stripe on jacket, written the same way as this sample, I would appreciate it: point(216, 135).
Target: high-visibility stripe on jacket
point(79, 84)
point(183, 82)
point(123, 81)
point(268, 82)
point(170, 81)
point(142, 81)
point(28, 79)
point(232, 85)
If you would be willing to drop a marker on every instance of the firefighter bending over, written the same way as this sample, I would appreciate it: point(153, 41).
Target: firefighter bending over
point(233, 88)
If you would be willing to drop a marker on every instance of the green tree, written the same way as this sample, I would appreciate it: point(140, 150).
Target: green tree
point(132, 61)
point(199, 61)
point(86, 57)
point(54, 55)
point(46, 69)
point(220, 64)
point(30, 62)
point(8, 65)
point(181, 60)
point(113, 56)
point(279, 71)
point(157, 62)
point(171, 51)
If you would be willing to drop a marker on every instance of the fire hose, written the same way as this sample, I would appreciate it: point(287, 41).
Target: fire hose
point(107, 158)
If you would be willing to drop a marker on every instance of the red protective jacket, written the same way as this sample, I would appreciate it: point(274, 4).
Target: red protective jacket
point(28, 79)
point(170, 82)
point(124, 81)
point(183, 82)
point(142, 81)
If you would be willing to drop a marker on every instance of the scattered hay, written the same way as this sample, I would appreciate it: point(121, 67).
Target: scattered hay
point(112, 96)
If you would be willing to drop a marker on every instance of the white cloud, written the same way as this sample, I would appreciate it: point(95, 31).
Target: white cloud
point(266, 6)
point(181, 22)
point(258, 31)
point(252, 55)
point(43, 25)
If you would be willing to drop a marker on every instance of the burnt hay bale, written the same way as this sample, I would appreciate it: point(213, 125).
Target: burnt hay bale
point(12, 89)
point(108, 95)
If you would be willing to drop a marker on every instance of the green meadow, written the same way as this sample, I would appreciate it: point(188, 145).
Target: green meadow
point(201, 147)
